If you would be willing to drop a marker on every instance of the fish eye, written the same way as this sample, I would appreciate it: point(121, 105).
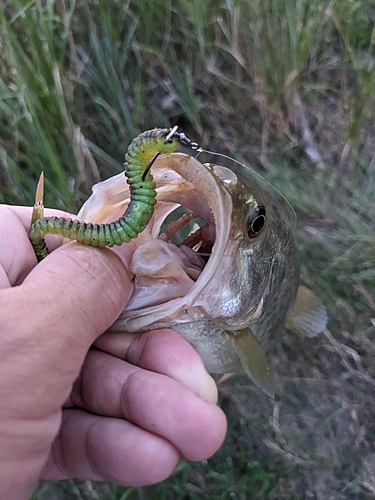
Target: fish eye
point(256, 222)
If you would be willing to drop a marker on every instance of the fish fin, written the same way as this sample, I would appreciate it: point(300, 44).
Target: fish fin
point(253, 359)
point(308, 316)
point(38, 210)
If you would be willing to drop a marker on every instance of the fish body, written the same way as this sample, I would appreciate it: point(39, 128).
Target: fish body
point(230, 287)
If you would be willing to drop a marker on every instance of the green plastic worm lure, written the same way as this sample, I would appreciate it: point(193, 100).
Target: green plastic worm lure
point(139, 158)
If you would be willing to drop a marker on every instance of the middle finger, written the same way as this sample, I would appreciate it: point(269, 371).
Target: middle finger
point(112, 387)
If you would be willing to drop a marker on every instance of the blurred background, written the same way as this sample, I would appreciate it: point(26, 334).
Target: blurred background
point(287, 88)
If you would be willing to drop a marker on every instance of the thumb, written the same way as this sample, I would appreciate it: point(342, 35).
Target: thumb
point(78, 292)
point(65, 303)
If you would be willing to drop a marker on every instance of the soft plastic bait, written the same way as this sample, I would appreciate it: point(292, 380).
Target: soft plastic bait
point(139, 158)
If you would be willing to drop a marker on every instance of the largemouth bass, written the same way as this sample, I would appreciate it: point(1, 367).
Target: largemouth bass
point(232, 284)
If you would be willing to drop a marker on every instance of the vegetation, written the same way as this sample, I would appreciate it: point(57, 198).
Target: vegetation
point(285, 87)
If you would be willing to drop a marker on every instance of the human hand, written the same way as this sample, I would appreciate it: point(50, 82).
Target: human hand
point(125, 411)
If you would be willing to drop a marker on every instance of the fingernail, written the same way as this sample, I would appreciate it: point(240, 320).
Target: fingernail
point(197, 378)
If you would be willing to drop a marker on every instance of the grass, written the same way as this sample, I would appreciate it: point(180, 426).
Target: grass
point(287, 88)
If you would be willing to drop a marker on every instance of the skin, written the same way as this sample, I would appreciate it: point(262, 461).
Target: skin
point(125, 410)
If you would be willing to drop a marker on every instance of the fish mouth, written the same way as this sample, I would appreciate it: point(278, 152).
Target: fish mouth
point(177, 248)
point(184, 238)
point(178, 254)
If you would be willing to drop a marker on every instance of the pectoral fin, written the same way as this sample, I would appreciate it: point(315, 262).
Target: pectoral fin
point(253, 359)
point(308, 316)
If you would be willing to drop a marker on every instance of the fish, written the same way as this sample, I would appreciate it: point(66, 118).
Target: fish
point(225, 273)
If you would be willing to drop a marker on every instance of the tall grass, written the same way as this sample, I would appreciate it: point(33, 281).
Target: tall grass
point(286, 87)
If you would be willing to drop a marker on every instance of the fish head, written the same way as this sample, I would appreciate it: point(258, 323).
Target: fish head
point(256, 283)
point(239, 270)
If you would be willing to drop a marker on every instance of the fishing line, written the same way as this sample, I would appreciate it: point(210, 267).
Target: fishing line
point(268, 183)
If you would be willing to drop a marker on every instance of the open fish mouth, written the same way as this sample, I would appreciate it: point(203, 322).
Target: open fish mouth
point(182, 247)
